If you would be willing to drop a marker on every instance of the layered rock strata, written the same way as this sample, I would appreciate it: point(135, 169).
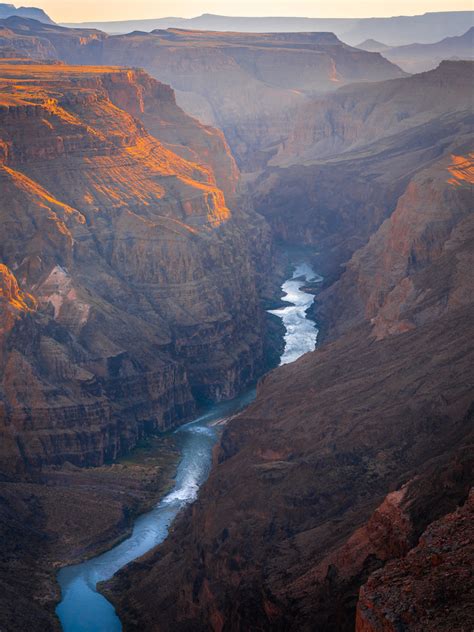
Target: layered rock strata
point(244, 83)
point(129, 288)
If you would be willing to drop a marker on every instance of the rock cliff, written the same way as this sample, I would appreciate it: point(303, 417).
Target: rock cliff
point(128, 285)
point(356, 115)
point(429, 589)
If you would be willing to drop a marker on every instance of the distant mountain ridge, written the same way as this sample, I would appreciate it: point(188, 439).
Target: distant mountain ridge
point(420, 57)
point(393, 31)
point(7, 10)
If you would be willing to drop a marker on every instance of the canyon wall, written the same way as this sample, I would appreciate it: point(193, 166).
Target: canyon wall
point(352, 155)
point(245, 84)
point(349, 454)
point(430, 588)
point(129, 289)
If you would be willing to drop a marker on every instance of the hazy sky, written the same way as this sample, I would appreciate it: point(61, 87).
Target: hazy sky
point(88, 10)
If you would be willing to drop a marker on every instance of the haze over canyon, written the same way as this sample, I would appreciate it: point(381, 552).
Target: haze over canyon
point(188, 208)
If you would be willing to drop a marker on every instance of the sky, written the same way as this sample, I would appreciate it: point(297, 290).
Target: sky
point(108, 10)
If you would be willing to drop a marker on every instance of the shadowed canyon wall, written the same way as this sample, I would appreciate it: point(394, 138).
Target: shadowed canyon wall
point(128, 285)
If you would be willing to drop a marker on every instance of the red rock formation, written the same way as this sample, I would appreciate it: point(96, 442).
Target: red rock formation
point(142, 276)
point(392, 281)
point(429, 589)
point(13, 302)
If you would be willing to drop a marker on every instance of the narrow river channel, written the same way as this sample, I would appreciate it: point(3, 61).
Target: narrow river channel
point(82, 608)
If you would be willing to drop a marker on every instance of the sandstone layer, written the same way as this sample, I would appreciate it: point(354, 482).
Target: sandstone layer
point(128, 285)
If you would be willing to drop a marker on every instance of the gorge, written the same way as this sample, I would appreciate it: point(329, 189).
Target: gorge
point(82, 607)
point(146, 288)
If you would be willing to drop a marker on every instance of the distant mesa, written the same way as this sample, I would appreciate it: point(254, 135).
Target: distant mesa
point(8, 10)
point(393, 31)
point(420, 57)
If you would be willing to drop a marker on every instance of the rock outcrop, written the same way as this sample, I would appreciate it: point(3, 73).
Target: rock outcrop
point(429, 589)
point(128, 288)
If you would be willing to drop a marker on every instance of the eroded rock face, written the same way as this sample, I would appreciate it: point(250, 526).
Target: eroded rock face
point(244, 83)
point(354, 155)
point(356, 115)
point(430, 588)
point(417, 264)
point(129, 287)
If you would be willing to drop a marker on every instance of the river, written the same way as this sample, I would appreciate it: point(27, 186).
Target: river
point(82, 608)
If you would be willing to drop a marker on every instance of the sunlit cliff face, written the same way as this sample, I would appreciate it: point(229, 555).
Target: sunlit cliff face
point(462, 170)
point(75, 113)
point(123, 262)
point(13, 302)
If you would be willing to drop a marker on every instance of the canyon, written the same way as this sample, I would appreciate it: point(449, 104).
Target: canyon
point(106, 206)
point(355, 450)
point(350, 453)
point(138, 261)
point(208, 69)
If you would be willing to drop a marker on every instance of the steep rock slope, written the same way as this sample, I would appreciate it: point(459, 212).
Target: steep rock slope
point(346, 456)
point(245, 84)
point(333, 185)
point(429, 589)
point(128, 286)
point(356, 115)
point(416, 265)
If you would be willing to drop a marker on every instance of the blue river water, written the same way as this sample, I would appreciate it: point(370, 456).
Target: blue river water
point(82, 607)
